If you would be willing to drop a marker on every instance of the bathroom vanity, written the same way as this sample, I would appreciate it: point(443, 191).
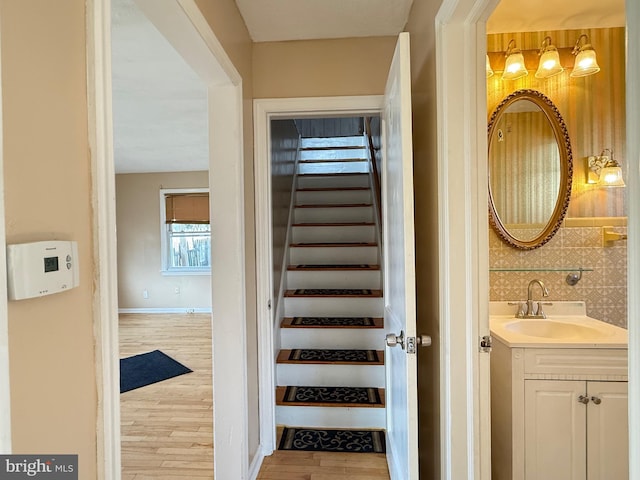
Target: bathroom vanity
point(558, 395)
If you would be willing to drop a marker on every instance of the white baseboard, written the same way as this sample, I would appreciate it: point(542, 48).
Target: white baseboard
point(166, 310)
point(254, 468)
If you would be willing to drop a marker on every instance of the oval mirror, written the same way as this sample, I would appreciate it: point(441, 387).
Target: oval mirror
point(530, 169)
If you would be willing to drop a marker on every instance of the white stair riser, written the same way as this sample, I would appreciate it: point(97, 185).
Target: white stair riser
point(330, 375)
point(333, 307)
point(333, 167)
point(333, 214)
point(340, 338)
point(333, 255)
point(332, 197)
point(330, 417)
point(314, 181)
point(333, 234)
point(335, 279)
point(323, 142)
point(338, 154)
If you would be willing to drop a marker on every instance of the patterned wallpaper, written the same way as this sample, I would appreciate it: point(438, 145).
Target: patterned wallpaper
point(603, 288)
point(593, 109)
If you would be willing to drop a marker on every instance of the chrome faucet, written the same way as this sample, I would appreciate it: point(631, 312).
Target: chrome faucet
point(529, 312)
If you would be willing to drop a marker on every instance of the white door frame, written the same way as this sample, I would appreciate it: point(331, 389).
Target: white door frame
point(264, 111)
point(184, 26)
point(5, 385)
point(463, 238)
point(633, 228)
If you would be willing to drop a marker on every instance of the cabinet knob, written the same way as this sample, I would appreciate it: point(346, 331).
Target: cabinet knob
point(583, 399)
point(596, 400)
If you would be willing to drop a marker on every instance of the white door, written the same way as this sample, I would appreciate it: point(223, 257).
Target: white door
point(399, 269)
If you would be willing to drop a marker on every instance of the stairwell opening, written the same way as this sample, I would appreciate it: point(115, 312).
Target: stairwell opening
point(327, 280)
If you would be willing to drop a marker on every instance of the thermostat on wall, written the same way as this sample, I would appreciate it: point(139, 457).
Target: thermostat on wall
point(41, 268)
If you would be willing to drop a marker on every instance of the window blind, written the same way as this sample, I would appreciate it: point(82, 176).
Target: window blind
point(187, 208)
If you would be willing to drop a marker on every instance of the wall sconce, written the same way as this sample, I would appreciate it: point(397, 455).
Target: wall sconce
point(549, 64)
point(604, 171)
point(585, 63)
point(489, 69)
point(514, 66)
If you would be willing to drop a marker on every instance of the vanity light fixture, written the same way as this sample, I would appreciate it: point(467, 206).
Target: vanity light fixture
point(549, 64)
point(489, 69)
point(514, 65)
point(585, 63)
point(604, 170)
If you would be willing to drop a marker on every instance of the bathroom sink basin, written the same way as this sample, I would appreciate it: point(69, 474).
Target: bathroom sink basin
point(547, 328)
point(566, 326)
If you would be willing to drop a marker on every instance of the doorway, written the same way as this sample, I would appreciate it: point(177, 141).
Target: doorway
point(196, 42)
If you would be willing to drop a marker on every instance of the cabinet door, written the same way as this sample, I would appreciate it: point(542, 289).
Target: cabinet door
point(555, 430)
point(607, 431)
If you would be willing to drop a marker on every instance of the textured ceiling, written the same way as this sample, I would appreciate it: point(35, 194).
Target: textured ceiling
point(159, 103)
point(276, 20)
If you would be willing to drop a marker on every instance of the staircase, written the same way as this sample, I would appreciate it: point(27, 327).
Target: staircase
point(330, 371)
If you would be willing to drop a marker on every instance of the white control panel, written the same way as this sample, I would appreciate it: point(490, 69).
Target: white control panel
point(41, 268)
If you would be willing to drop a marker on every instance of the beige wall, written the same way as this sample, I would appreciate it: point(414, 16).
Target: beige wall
point(421, 26)
point(345, 66)
point(139, 252)
point(47, 181)
point(227, 24)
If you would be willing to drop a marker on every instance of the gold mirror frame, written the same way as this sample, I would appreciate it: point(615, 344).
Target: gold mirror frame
point(566, 170)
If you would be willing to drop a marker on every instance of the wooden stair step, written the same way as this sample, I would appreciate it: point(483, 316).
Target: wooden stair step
point(344, 244)
point(332, 268)
point(333, 174)
point(333, 293)
point(335, 205)
point(330, 396)
point(329, 189)
point(332, 322)
point(305, 356)
point(336, 147)
point(334, 224)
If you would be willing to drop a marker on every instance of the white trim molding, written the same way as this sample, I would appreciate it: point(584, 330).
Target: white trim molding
point(104, 241)
point(161, 310)
point(463, 239)
point(633, 229)
point(5, 383)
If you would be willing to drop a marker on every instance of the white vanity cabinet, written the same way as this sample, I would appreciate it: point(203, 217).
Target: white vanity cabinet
point(575, 430)
point(559, 413)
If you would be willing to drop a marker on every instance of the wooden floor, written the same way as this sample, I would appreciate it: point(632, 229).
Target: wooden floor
point(167, 427)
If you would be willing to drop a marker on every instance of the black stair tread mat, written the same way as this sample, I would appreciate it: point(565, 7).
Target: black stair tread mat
point(334, 292)
point(342, 266)
point(332, 440)
point(330, 396)
point(332, 322)
point(331, 356)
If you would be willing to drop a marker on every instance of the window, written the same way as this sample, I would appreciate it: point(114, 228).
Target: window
point(186, 231)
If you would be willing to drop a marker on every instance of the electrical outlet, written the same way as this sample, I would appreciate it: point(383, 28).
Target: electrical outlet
point(145, 293)
point(176, 290)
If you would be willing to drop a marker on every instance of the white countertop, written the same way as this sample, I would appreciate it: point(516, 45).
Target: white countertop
point(561, 317)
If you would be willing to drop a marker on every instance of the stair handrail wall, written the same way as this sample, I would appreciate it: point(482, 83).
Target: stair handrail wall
point(279, 300)
point(374, 174)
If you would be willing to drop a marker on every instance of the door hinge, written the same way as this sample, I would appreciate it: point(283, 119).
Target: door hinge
point(486, 343)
